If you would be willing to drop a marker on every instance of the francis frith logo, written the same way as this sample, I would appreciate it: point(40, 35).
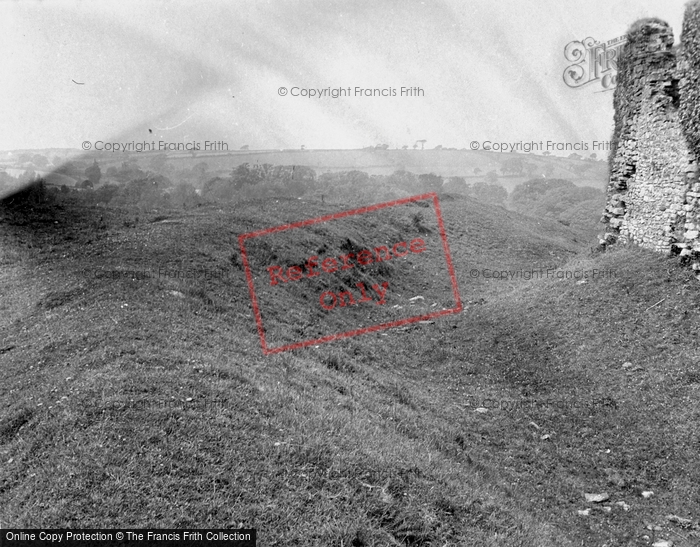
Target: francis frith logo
point(593, 61)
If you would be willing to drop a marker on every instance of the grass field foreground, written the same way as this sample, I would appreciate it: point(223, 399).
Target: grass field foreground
point(147, 402)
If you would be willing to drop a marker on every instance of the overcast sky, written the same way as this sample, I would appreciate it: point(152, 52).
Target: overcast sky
point(489, 69)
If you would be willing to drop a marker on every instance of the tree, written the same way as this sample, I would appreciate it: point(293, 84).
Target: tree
point(403, 180)
point(87, 183)
point(143, 193)
point(477, 170)
point(219, 189)
point(303, 179)
point(546, 153)
point(184, 196)
point(430, 182)
point(105, 193)
point(574, 156)
point(34, 193)
point(93, 173)
point(244, 174)
point(404, 147)
point(245, 147)
point(438, 147)
point(422, 143)
point(129, 171)
point(491, 177)
point(455, 184)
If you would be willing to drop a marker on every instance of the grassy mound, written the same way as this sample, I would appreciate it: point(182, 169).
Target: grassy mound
point(135, 398)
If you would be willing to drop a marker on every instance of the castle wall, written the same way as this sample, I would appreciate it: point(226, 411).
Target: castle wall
point(650, 158)
point(689, 111)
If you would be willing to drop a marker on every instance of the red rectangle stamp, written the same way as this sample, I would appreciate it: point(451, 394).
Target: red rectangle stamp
point(350, 273)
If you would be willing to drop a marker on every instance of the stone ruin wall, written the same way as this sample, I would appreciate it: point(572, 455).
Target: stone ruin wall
point(653, 196)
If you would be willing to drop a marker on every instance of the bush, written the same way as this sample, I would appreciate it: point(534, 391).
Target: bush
point(430, 182)
point(184, 196)
point(455, 185)
point(143, 193)
point(559, 199)
point(106, 193)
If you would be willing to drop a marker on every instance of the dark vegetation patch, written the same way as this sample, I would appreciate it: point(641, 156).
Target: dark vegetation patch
point(54, 299)
point(10, 426)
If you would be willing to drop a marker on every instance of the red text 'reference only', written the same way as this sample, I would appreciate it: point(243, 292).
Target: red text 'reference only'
point(330, 265)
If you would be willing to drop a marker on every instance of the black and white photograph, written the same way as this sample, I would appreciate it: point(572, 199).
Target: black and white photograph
point(350, 273)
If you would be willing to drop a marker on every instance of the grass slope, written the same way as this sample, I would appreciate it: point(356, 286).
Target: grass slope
point(143, 401)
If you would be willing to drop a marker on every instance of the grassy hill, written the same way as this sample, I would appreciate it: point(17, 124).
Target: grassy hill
point(132, 399)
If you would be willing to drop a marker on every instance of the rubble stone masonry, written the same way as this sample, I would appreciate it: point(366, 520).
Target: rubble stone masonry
point(654, 191)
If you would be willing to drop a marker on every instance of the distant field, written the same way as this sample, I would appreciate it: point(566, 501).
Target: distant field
point(446, 163)
point(470, 164)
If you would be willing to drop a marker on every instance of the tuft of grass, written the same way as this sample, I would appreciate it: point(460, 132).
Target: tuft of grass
point(10, 426)
point(338, 362)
